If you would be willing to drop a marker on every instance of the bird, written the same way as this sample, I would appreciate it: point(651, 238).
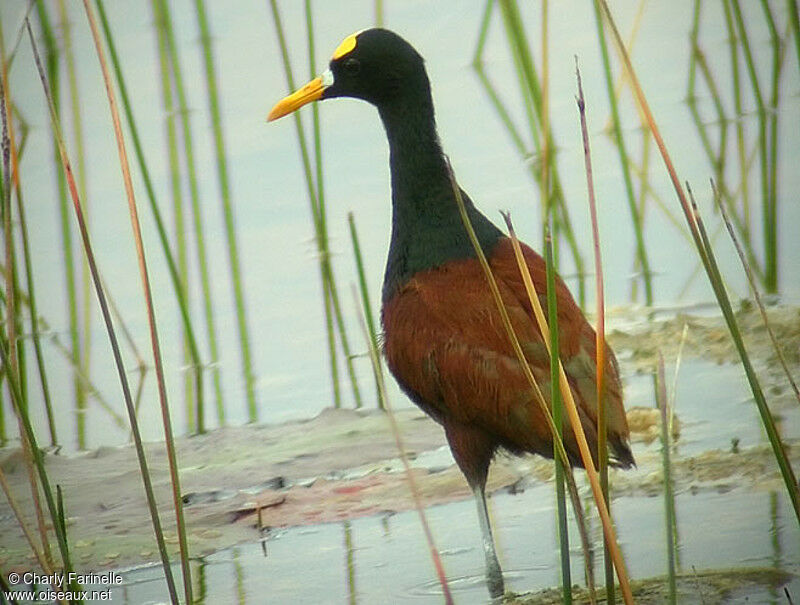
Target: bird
point(443, 338)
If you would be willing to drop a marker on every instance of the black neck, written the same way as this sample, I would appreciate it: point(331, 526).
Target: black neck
point(427, 230)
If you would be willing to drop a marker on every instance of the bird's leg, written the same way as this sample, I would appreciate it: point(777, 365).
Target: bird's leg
point(494, 575)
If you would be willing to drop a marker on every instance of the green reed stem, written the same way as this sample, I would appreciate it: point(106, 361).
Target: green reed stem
point(16, 368)
point(13, 319)
point(716, 157)
point(149, 189)
point(326, 271)
point(80, 157)
point(707, 257)
point(772, 151)
point(365, 302)
point(197, 221)
point(555, 402)
point(64, 160)
point(148, 301)
point(769, 217)
point(230, 227)
point(794, 23)
point(173, 162)
point(37, 343)
point(52, 60)
point(619, 139)
point(741, 147)
point(15, 181)
point(73, 586)
point(693, 35)
point(669, 497)
point(350, 563)
point(321, 216)
point(322, 233)
point(483, 31)
point(532, 101)
point(312, 198)
point(767, 419)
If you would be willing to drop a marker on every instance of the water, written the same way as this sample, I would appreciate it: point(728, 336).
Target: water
point(387, 560)
point(722, 523)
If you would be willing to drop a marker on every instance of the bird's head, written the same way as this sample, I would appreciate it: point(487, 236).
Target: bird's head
point(375, 65)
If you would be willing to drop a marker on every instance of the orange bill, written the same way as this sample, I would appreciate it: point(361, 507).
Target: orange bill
point(310, 92)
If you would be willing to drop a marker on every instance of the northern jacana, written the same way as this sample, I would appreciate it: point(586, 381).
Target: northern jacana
point(443, 337)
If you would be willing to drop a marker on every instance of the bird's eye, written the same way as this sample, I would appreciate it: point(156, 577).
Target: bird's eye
point(352, 67)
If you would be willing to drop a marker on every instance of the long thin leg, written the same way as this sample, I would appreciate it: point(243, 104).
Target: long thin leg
point(494, 576)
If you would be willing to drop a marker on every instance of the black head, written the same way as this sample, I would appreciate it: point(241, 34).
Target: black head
point(375, 65)
point(379, 68)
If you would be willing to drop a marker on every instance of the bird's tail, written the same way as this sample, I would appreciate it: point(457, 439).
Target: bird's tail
point(620, 454)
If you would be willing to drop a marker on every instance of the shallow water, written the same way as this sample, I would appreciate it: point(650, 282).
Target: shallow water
point(384, 559)
point(727, 523)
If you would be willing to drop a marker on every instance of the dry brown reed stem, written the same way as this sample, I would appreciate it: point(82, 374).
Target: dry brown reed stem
point(754, 288)
point(600, 329)
point(11, 313)
point(398, 439)
point(106, 315)
point(600, 341)
point(26, 251)
point(572, 411)
point(151, 319)
point(530, 289)
point(709, 262)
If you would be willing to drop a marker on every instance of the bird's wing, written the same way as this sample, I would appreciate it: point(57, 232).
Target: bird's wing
point(446, 344)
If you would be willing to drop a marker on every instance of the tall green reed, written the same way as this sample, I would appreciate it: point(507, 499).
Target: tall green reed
point(99, 291)
point(179, 243)
point(148, 302)
point(555, 402)
point(333, 311)
point(737, 195)
point(197, 220)
point(14, 182)
point(161, 230)
point(53, 76)
point(14, 366)
point(372, 332)
point(708, 260)
point(619, 140)
point(530, 90)
point(237, 284)
point(670, 522)
point(80, 164)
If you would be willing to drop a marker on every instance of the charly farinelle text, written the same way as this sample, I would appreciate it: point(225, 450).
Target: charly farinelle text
point(60, 586)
